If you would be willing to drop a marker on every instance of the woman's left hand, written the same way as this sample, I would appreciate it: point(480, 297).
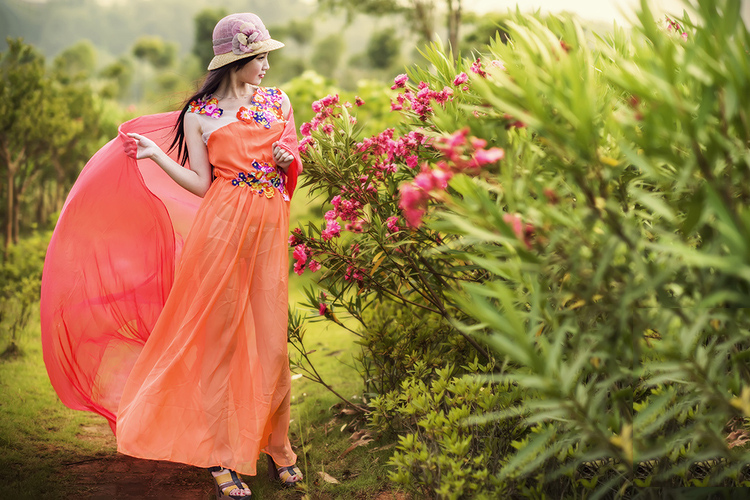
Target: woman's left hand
point(281, 157)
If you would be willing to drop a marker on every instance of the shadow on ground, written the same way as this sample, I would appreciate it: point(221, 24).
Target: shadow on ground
point(122, 477)
point(125, 477)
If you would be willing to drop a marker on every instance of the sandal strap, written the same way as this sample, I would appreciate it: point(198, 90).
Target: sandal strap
point(229, 481)
point(288, 472)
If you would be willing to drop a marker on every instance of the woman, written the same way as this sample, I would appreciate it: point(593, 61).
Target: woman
point(211, 385)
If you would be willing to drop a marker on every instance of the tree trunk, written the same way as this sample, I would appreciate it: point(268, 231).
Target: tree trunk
point(16, 216)
point(20, 193)
point(423, 10)
point(12, 166)
point(41, 207)
point(454, 23)
point(9, 212)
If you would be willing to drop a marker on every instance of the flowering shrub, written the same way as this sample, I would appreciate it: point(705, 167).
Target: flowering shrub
point(575, 208)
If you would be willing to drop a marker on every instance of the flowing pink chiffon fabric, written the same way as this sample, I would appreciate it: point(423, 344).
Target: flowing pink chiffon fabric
point(167, 313)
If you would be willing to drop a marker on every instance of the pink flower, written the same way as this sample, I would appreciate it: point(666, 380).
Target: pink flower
point(485, 156)
point(327, 129)
point(400, 81)
point(684, 36)
point(453, 144)
point(424, 181)
point(294, 238)
point(513, 123)
point(390, 222)
point(523, 232)
point(330, 215)
point(414, 216)
point(444, 95)
point(354, 249)
point(389, 167)
point(413, 203)
point(461, 78)
point(358, 101)
point(322, 308)
point(441, 175)
point(476, 67)
point(314, 265)
point(300, 253)
point(477, 143)
point(299, 267)
point(356, 226)
point(412, 161)
point(432, 179)
point(304, 144)
point(497, 64)
point(332, 230)
point(551, 195)
point(347, 209)
point(353, 274)
point(306, 129)
point(330, 100)
point(515, 223)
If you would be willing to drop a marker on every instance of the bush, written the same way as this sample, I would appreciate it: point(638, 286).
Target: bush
point(20, 282)
point(438, 455)
point(397, 338)
point(580, 206)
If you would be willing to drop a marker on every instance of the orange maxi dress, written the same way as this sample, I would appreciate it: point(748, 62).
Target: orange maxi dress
point(191, 361)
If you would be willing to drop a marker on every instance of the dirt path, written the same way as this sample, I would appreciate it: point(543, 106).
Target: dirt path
point(119, 476)
point(124, 477)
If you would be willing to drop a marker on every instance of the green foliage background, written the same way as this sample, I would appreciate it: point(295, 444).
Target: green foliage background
point(603, 261)
point(569, 320)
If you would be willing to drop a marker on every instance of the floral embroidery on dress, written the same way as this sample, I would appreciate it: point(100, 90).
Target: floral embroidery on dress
point(265, 107)
point(266, 180)
point(207, 106)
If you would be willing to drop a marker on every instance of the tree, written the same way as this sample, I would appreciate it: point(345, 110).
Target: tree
point(419, 14)
point(302, 31)
point(205, 21)
point(119, 76)
point(383, 48)
point(485, 29)
point(156, 51)
point(21, 90)
point(48, 128)
point(76, 62)
point(327, 54)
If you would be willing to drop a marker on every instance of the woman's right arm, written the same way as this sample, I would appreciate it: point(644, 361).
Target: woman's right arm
point(196, 179)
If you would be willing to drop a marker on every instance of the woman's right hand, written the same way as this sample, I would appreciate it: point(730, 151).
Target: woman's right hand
point(143, 147)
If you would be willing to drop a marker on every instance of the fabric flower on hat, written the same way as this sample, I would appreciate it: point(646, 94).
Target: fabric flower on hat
point(246, 35)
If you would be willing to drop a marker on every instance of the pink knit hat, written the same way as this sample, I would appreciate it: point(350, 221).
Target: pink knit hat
point(238, 36)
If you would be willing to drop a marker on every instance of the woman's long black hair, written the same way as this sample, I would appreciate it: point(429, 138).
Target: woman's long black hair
point(210, 85)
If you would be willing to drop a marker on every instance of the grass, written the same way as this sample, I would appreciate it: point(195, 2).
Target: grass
point(37, 433)
point(40, 438)
point(321, 430)
point(50, 451)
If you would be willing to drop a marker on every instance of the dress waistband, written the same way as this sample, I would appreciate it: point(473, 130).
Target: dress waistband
point(263, 177)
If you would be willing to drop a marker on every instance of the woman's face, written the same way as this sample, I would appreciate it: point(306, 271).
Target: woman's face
point(254, 71)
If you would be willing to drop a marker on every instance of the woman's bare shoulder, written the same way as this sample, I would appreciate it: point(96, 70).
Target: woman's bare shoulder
point(194, 126)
